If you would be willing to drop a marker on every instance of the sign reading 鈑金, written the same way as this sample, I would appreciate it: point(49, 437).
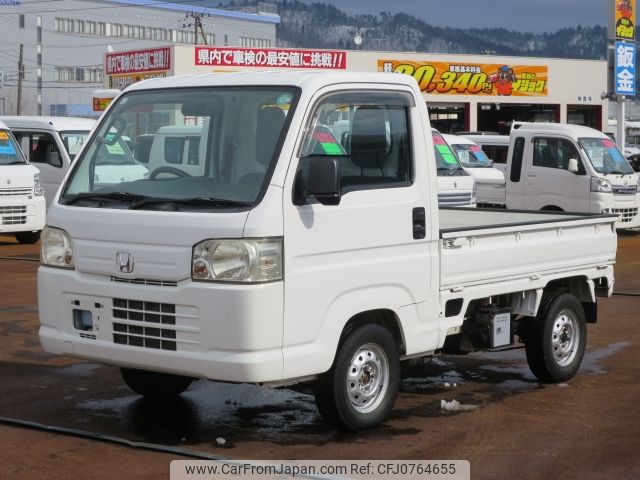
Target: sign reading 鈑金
point(457, 78)
point(270, 58)
point(625, 19)
point(625, 68)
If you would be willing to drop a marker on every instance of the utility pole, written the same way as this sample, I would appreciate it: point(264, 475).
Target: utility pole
point(197, 24)
point(20, 78)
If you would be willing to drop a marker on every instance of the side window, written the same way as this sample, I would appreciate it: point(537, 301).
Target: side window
point(516, 161)
point(173, 148)
point(43, 149)
point(368, 133)
point(553, 152)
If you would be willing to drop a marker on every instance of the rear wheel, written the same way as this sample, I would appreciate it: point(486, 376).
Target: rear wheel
point(155, 384)
point(360, 389)
point(27, 237)
point(557, 339)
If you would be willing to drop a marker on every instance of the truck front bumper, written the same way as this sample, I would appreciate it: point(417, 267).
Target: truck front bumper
point(217, 331)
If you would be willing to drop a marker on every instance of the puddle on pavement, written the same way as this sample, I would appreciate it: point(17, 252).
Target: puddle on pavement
point(241, 413)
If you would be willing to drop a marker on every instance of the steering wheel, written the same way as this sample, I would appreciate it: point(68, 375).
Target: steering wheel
point(166, 169)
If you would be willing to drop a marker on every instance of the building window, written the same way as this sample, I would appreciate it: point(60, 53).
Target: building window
point(21, 20)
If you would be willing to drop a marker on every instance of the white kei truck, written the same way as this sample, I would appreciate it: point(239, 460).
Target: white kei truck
point(22, 201)
point(290, 257)
point(569, 168)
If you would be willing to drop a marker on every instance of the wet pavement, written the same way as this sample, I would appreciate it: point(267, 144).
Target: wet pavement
point(503, 420)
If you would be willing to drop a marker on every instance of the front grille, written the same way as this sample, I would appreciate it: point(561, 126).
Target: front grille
point(15, 192)
point(628, 190)
point(145, 281)
point(626, 214)
point(454, 199)
point(144, 324)
point(13, 210)
point(19, 220)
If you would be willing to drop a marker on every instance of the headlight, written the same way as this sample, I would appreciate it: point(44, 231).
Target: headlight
point(600, 185)
point(248, 261)
point(38, 190)
point(55, 248)
point(474, 192)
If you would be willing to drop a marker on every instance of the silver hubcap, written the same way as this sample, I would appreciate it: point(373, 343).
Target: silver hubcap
point(565, 338)
point(368, 378)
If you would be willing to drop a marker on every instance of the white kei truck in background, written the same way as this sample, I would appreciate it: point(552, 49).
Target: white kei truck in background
point(290, 257)
point(489, 181)
point(51, 144)
point(22, 202)
point(570, 168)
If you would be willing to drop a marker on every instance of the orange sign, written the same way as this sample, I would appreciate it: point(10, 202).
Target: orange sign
point(625, 17)
point(457, 78)
point(101, 104)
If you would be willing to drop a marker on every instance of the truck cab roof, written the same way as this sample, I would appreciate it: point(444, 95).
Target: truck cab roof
point(562, 128)
point(310, 79)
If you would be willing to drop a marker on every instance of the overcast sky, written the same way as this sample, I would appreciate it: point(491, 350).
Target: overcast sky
point(519, 15)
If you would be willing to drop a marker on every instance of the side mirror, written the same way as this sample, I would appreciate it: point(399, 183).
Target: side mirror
point(54, 159)
point(573, 165)
point(322, 181)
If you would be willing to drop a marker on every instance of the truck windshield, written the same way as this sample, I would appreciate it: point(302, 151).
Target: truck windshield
point(446, 161)
point(471, 156)
point(73, 141)
point(10, 154)
point(605, 156)
point(204, 149)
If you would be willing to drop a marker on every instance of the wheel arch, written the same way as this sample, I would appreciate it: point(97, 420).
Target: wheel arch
point(580, 287)
point(385, 317)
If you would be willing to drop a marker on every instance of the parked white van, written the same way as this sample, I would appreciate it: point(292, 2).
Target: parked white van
point(489, 180)
point(22, 203)
point(50, 143)
point(456, 188)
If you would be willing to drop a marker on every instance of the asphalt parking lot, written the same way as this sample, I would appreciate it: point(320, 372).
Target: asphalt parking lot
point(509, 425)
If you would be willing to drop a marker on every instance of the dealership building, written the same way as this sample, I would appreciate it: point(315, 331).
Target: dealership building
point(62, 44)
point(463, 92)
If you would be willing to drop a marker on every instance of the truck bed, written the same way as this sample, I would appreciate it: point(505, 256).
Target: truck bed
point(484, 245)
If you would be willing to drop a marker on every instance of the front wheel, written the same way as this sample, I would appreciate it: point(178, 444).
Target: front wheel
point(557, 339)
point(155, 384)
point(360, 389)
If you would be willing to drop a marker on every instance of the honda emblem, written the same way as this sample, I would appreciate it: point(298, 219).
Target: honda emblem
point(124, 262)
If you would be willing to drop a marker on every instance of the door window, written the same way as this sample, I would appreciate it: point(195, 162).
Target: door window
point(41, 147)
point(553, 152)
point(368, 133)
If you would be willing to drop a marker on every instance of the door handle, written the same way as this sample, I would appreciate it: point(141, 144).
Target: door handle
point(531, 175)
point(419, 223)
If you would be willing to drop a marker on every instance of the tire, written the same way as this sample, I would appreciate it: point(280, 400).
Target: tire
point(361, 387)
point(557, 338)
point(155, 384)
point(27, 237)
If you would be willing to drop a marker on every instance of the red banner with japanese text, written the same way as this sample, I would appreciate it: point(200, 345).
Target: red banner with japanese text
point(459, 78)
point(138, 61)
point(270, 58)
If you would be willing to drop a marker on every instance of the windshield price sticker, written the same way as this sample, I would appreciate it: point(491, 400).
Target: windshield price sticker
point(447, 155)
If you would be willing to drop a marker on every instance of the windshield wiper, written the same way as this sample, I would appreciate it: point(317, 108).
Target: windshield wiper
point(109, 196)
point(195, 201)
point(16, 162)
point(617, 172)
